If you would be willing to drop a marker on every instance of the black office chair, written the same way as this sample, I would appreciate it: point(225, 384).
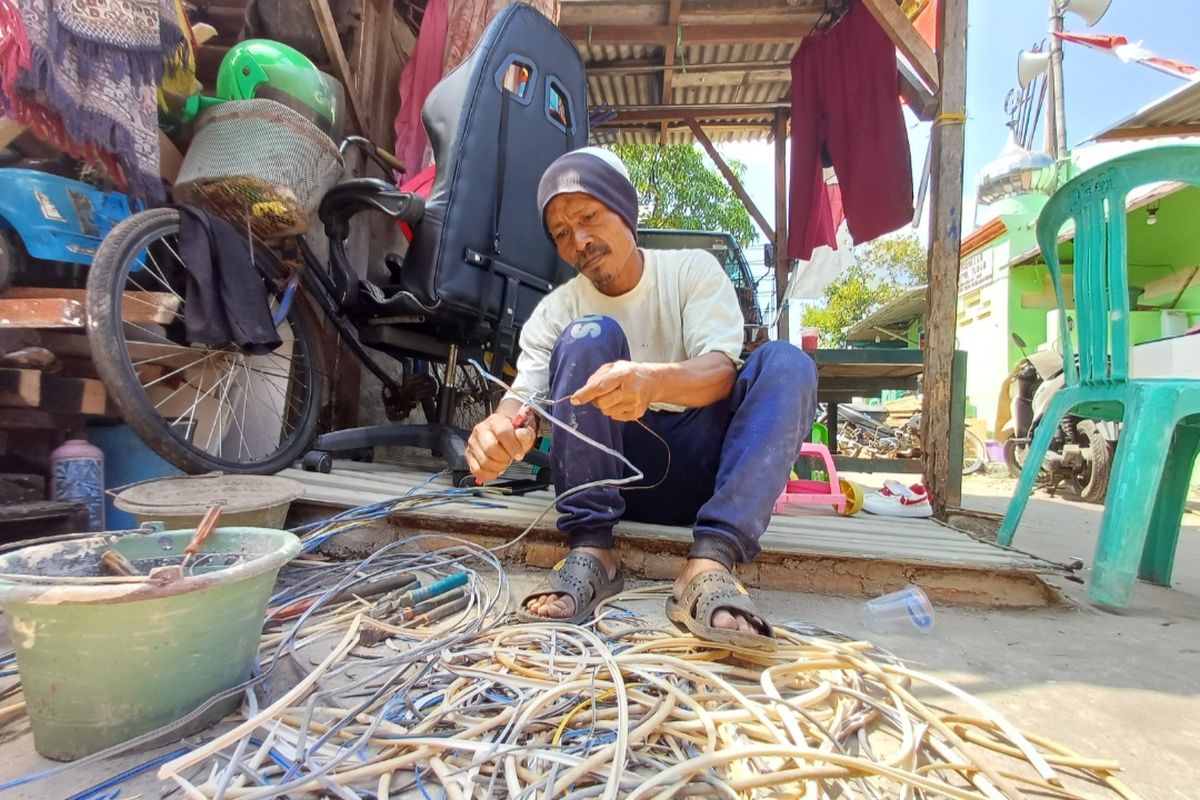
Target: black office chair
point(479, 261)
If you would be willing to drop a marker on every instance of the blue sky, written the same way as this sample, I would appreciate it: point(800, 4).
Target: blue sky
point(1100, 89)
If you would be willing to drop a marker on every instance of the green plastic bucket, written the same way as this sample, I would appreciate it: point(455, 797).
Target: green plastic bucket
point(260, 501)
point(103, 663)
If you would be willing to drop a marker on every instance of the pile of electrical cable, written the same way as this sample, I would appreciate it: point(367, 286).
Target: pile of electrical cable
point(472, 705)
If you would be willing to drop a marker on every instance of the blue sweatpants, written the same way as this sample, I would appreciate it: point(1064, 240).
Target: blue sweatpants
point(729, 460)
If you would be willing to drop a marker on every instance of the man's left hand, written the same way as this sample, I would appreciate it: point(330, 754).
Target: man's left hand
point(622, 390)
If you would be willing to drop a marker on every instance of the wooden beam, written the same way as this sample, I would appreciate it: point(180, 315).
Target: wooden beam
point(683, 112)
point(665, 96)
point(730, 177)
point(669, 35)
point(333, 46)
point(910, 44)
point(729, 12)
point(1150, 132)
point(945, 236)
point(75, 396)
point(779, 135)
point(20, 387)
point(642, 66)
point(922, 101)
point(30, 388)
point(49, 313)
point(752, 80)
point(145, 308)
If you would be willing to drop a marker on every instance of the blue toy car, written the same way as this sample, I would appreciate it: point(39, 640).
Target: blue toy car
point(51, 226)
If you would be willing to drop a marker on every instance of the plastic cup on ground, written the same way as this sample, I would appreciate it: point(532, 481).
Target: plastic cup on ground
point(905, 611)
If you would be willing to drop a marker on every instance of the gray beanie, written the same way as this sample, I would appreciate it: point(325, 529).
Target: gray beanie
point(592, 171)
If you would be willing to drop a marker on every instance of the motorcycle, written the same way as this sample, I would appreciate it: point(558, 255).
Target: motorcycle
point(863, 431)
point(1080, 454)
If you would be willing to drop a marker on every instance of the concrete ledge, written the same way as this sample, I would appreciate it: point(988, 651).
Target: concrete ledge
point(662, 559)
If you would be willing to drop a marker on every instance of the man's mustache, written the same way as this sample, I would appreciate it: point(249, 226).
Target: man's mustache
point(590, 253)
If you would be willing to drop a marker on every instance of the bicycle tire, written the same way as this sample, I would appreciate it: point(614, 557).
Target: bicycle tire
point(108, 279)
point(971, 442)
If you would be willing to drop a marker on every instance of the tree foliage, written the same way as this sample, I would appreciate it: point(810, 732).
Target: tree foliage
point(679, 188)
point(884, 268)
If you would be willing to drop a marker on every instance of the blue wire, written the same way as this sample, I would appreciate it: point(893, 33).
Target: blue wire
point(8, 674)
point(421, 784)
point(93, 793)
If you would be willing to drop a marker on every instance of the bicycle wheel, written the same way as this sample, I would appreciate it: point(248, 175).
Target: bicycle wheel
point(472, 397)
point(974, 453)
point(201, 408)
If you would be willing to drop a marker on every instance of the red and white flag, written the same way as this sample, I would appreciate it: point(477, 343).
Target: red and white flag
point(1123, 49)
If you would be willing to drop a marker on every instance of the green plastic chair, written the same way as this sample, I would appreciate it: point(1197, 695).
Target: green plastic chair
point(1161, 432)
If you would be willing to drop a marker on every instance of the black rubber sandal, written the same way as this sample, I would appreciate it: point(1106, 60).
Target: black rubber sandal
point(581, 576)
point(709, 592)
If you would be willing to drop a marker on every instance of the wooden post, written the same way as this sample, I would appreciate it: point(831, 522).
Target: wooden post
point(781, 223)
point(945, 238)
point(337, 57)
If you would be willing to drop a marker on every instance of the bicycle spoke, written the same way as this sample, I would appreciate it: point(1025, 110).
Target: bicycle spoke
point(191, 412)
point(186, 384)
point(241, 430)
point(161, 275)
point(254, 406)
point(179, 370)
point(154, 359)
point(282, 395)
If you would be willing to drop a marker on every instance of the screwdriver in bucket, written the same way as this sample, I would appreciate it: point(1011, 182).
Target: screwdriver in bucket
point(176, 571)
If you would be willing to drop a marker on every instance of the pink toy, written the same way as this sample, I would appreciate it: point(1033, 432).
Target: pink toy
point(801, 492)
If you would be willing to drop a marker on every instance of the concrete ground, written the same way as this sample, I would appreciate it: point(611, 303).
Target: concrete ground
point(1123, 686)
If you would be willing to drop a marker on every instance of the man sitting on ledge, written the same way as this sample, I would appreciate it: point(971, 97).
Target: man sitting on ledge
point(643, 343)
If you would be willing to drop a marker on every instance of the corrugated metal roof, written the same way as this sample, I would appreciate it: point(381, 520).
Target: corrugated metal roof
point(899, 311)
point(1170, 115)
point(631, 76)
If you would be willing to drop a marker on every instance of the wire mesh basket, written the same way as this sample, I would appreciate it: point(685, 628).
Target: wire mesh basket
point(257, 161)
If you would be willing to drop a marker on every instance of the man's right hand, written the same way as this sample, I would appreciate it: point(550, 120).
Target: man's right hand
point(495, 444)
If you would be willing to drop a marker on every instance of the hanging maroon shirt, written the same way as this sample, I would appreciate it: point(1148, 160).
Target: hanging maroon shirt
point(844, 98)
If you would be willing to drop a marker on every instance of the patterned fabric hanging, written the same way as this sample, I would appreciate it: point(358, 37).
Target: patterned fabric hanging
point(84, 75)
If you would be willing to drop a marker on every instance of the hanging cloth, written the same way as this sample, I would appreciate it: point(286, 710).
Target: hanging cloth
point(225, 296)
point(469, 18)
point(85, 77)
point(421, 73)
point(450, 29)
point(845, 104)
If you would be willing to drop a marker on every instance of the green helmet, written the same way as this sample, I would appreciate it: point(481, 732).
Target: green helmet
point(265, 69)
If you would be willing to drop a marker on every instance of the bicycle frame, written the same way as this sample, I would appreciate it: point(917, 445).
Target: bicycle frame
point(318, 285)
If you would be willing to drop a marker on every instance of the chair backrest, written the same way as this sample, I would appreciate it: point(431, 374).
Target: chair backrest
point(495, 122)
point(1095, 200)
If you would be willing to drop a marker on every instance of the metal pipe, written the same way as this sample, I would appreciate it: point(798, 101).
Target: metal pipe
point(1056, 117)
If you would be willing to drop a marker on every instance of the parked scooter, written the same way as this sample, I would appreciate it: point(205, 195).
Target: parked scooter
point(1080, 454)
point(862, 431)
